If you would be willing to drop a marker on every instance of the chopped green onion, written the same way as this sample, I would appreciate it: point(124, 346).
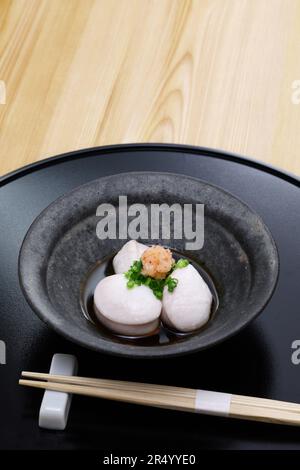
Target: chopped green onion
point(171, 283)
point(182, 263)
point(136, 278)
point(137, 266)
point(158, 294)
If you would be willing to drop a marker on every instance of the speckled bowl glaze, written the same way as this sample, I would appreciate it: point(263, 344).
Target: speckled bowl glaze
point(61, 247)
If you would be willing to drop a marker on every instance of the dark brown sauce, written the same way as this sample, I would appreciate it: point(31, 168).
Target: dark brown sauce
point(163, 335)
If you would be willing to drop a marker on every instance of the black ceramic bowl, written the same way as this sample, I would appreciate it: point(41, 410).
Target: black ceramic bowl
point(61, 247)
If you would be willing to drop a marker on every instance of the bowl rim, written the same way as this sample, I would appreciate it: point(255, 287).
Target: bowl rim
point(146, 352)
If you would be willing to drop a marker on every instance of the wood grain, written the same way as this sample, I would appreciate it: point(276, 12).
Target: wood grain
point(217, 73)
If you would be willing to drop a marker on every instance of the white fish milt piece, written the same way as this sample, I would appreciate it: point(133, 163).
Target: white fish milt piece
point(130, 252)
point(188, 307)
point(130, 312)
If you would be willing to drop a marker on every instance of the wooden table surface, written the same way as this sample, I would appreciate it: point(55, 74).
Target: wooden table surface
point(217, 73)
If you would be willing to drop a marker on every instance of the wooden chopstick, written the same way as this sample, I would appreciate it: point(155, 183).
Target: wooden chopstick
point(156, 399)
point(165, 396)
point(104, 383)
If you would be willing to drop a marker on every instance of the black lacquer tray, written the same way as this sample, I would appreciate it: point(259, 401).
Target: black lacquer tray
point(255, 362)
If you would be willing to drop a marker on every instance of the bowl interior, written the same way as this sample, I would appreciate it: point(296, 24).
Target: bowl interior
point(61, 247)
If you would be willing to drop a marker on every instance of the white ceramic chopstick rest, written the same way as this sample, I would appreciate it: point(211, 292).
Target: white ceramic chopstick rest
point(213, 403)
point(55, 406)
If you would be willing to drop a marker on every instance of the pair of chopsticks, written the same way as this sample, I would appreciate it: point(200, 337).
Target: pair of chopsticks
point(169, 397)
